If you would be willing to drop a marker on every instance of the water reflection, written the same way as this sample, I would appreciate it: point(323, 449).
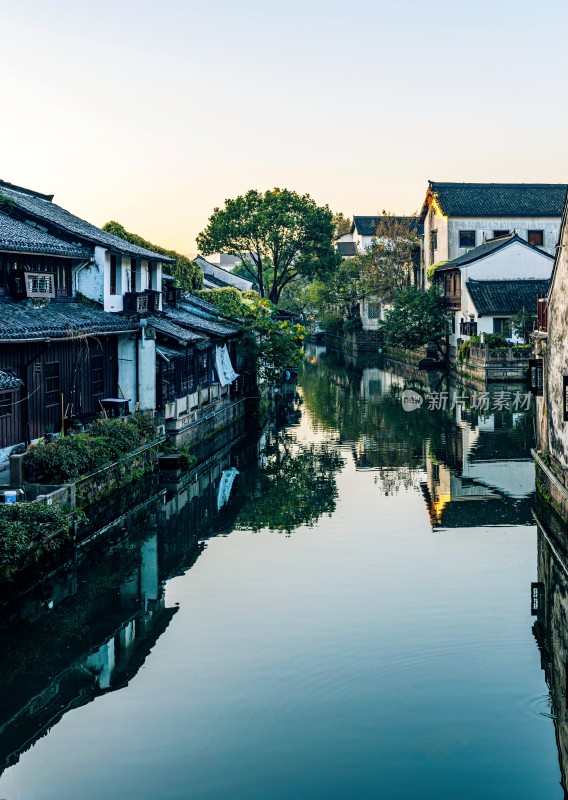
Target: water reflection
point(475, 468)
point(482, 473)
point(89, 628)
point(550, 607)
point(296, 485)
point(292, 661)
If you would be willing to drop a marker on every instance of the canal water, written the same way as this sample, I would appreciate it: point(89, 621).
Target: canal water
point(340, 608)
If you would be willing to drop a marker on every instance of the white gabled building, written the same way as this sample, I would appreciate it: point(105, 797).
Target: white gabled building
point(458, 217)
point(486, 286)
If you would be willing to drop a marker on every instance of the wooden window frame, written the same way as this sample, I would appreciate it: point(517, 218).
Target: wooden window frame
point(6, 403)
point(531, 233)
point(536, 376)
point(52, 394)
point(467, 233)
point(113, 271)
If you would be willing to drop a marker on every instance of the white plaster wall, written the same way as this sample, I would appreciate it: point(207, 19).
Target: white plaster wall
point(127, 367)
point(147, 373)
point(517, 261)
point(112, 302)
point(485, 227)
point(89, 281)
point(435, 221)
point(367, 323)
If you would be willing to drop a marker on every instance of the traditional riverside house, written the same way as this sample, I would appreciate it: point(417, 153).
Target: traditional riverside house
point(93, 264)
point(215, 277)
point(487, 285)
point(59, 358)
point(198, 389)
point(458, 217)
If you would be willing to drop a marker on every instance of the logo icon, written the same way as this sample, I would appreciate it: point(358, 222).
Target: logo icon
point(411, 400)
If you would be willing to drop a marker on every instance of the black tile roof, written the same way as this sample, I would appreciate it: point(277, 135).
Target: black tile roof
point(367, 226)
point(498, 199)
point(57, 321)
point(40, 206)
point(504, 298)
point(198, 323)
point(202, 305)
point(221, 277)
point(170, 353)
point(17, 237)
point(347, 249)
point(171, 330)
point(9, 381)
point(485, 249)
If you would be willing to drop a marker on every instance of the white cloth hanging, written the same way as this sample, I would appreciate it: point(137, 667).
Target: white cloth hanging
point(225, 370)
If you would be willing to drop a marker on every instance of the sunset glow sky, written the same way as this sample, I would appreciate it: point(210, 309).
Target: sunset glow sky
point(152, 113)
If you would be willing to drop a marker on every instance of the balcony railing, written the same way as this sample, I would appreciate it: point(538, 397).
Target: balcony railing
point(468, 328)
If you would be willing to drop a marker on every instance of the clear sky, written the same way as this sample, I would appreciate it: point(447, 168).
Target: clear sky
point(152, 113)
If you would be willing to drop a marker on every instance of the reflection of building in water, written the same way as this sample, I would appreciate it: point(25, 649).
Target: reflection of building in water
point(313, 352)
point(89, 629)
point(92, 642)
point(377, 382)
point(550, 607)
point(483, 473)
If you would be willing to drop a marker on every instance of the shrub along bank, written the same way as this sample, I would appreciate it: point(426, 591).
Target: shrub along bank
point(28, 530)
point(104, 441)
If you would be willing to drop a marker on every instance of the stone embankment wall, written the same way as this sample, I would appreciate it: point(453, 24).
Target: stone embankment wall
point(92, 487)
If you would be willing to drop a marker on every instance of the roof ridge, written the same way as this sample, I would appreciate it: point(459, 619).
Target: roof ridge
point(15, 188)
point(495, 183)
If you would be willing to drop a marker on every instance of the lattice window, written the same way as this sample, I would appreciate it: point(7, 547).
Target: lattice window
point(97, 375)
point(40, 284)
point(6, 401)
point(52, 384)
point(373, 310)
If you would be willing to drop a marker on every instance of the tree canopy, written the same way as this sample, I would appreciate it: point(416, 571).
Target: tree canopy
point(269, 345)
point(418, 317)
point(387, 264)
point(278, 235)
point(187, 274)
point(341, 223)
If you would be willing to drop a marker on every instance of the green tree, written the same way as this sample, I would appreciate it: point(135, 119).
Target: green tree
point(277, 235)
point(417, 318)
point(337, 298)
point(269, 345)
point(188, 275)
point(523, 324)
point(341, 224)
point(387, 265)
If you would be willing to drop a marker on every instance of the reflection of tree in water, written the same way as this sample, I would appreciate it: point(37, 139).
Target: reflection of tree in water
point(392, 481)
point(296, 486)
point(384, 436)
